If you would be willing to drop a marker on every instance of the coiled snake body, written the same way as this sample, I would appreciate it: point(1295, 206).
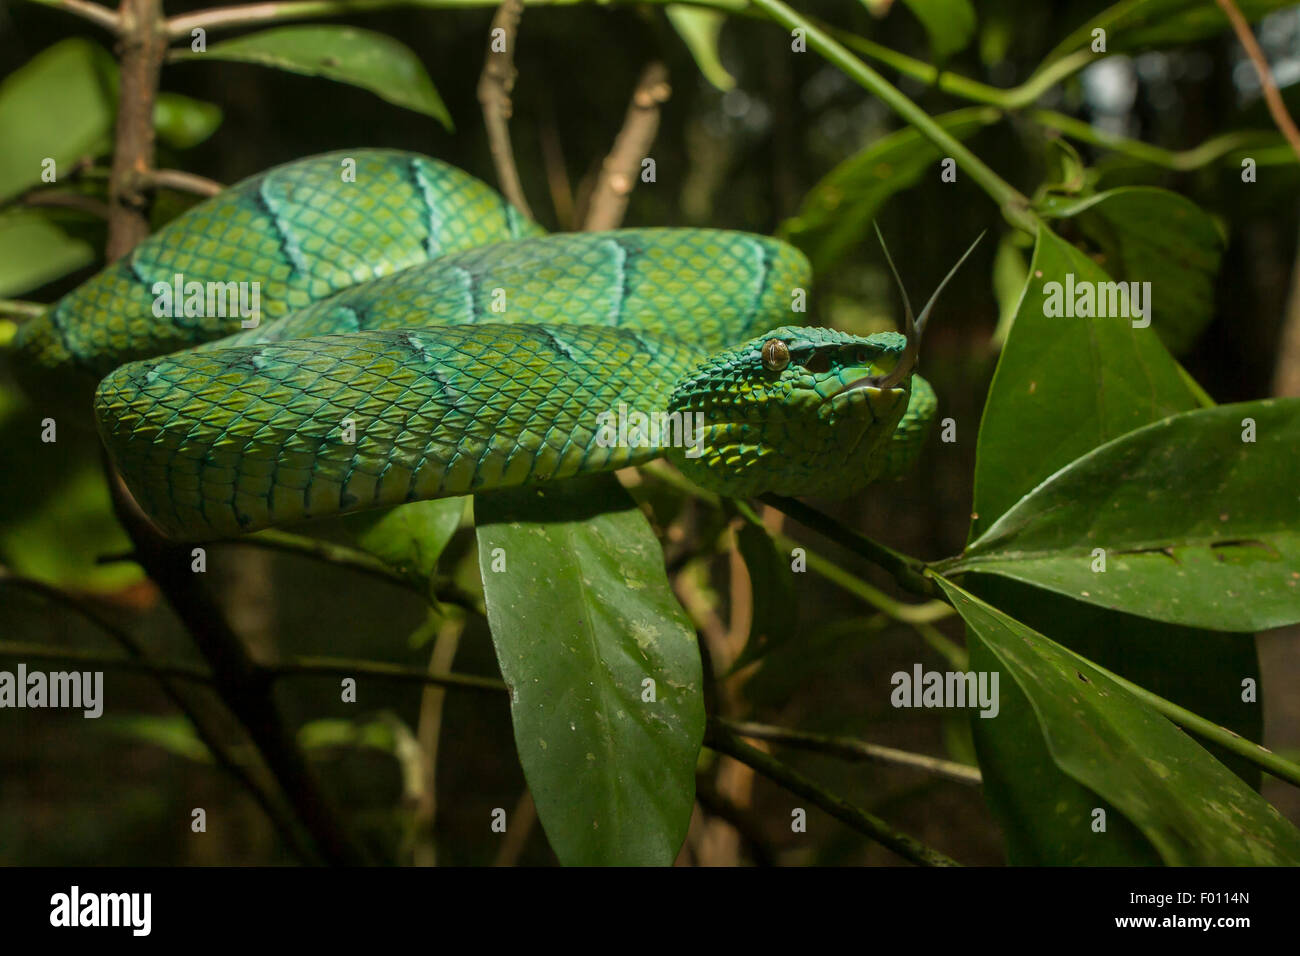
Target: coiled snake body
point(419, 338)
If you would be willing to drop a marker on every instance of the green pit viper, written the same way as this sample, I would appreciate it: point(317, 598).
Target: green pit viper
point(406, 306)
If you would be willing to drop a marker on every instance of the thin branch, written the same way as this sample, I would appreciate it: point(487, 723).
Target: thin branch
point(138, 660)
point(21, 310)
point(182, 182)
point(722, 739)
point(255, 14)
point(344, 557)
point(64, 200)
point(907, 571)
point(522, 819)
point(1272, 96)
point(494, 88)
point(854, 749)
point(341, 667)
point(622, 167)
point(94, 12)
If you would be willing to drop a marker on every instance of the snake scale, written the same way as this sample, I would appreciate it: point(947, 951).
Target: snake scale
point(419, 338)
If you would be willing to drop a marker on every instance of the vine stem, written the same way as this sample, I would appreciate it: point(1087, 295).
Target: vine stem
point(1015, 206)
point(724, 740)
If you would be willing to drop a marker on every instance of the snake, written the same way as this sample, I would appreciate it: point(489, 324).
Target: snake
point(417, 337)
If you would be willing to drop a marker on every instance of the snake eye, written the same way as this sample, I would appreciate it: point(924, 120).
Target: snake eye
point(863, 356)
point(819, 363)
point(776, 355)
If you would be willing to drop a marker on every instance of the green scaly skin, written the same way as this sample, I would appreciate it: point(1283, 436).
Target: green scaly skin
point(416, 313)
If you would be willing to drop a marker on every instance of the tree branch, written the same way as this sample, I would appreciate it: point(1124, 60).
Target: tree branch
point(1272, 96)
point(94, 12)
point(621, 168)
point(182, 182)
point(494, 88)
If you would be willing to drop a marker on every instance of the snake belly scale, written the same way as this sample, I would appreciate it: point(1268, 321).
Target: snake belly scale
point(419, 338)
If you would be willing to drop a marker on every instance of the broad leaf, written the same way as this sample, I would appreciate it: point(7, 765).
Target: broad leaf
point(1065, 385)
point(949, 23)
point(837, 212)
point(1156, 236)
point(586, 632)
point(34, 250)
point(1191, 808)
point(1196, 524)
point(58, 106)
point(1031, 797)
point(363, 58)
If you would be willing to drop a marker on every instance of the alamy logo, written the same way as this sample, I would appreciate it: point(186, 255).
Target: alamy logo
point(633, 429)
point(181, 299)
point(1086, 299)
point(75, 908)
point(946, 689)
point(74, 689)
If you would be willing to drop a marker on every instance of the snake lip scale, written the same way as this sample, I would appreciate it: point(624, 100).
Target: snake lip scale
point(420, 338)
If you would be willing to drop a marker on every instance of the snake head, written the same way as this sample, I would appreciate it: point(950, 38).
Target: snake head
point(794, 411)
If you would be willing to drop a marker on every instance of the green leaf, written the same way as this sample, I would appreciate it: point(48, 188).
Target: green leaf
point(171, 732)
point(1191, 808)
point(1065, 385)
point(412, 537)
point(56, 515)
point(183, 122)
point(1157, 236)
point(1199, 527)
point(699, 29)
point(582, 616)
point(775, 604)
point(949, 23)
point(59, 106)
point(1133, 25)
point(1199, 669)
point(837, 212)
point(363, 58)
point(35, 251)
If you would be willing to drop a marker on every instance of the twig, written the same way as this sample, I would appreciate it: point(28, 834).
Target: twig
point(622, 167)
point(143, 46)
point(182, 182)
point(22, 310)
point(740, 819)
point(243, 685)
point(252, 14)
point(138, 660)
point(94, 12)
point(344, 557)
point(1272, 96)
point(908, 571)
point(341, 667)
point(494, 87)
point(520, 828)
point(854, 749)
point(723, 740)
point(63, 200)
